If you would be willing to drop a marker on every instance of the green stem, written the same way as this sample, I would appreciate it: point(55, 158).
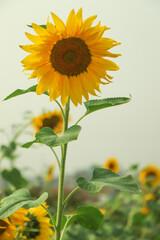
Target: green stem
point(61, 110)
point(21, 130)
point(61, 177)
point(80, 119)
point(56, 157)
point(69, 196)
point(64, 229)
point(50, 215)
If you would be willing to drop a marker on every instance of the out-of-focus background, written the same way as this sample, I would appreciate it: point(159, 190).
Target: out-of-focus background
point(129, 132)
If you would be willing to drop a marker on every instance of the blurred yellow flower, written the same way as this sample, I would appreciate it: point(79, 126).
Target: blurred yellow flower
point(7, 230)
point(150, 175)
point(53, 120)
point(50, 171)
point(145, 210)
point(112, 164)
point(69, 59)
point(39, 222)
point(103, 211)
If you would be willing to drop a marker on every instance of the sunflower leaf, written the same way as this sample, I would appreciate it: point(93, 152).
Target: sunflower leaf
point(44, 26)
point(47, 136)
point(94, 105)
point(18, 199)
point(15, 177)
point(22, 91)
point(105, 177)
point(87, 216)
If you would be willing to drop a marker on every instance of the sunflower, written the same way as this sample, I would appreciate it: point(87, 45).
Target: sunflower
point(19, 217)
point(7, 229)
point(53, 120)
point(49, 174)
point(150, 175)
point(112, 164)
point(38, 227)
point(103, 211)
point(148, 197)
point(69, 60)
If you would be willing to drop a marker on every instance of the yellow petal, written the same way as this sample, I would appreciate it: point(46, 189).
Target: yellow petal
point(39, 30)
point(64, 89)
point(79, 15)
point(32, 38)
point(71, 23)
point(58, 22)
point(75, 90)
point(109, 65)
point(51, 28)
point(88, 22)
point(45, 82)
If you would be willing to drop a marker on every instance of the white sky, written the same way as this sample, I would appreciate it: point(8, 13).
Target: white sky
point(129, 132)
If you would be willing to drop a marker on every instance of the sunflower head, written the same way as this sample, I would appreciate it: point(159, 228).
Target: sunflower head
point(70, 59)
point(145, 210)
point(49, 174)
point(150, 176)
point(54, 120)
point(112, 164)
point(39, 224)
point(7, 229)
point(19, 217)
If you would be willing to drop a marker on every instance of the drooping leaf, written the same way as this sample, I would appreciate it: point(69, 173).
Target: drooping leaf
point(44, 26)
point(94, 105)
point(19, 92)
point(15, 177)
point(18, 199)
point(105, 177)
point(47, 136)
point(87, 216)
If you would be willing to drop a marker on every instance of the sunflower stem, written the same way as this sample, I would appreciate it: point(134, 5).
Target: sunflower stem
point(80, 119)
point(61, 176)
point(56, 157)
point(69, 196)
point(50, 215)
point(63, 115)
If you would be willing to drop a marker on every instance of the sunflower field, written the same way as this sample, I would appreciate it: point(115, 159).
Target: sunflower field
point(71, 61)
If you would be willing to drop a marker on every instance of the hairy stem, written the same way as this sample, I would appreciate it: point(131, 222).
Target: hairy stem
point(61, 177)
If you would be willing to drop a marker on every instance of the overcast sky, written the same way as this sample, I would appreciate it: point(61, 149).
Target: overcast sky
point(130, 132)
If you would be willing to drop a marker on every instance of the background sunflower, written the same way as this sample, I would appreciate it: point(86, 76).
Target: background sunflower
point(112, 164)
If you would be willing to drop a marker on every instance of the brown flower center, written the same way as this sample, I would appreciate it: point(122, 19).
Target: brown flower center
point(3, 226)
point(51, 122)
point(111, 166)
point(70, 56)
point(151, 176)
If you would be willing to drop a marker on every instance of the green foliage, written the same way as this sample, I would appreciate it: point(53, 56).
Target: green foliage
point(44, 26)
point(15, 177)
point(47, 136)
point(87, 216)
point(19, 92)
point(8, 151)
point(105, 177)
point(18, 199)
point(94, 105)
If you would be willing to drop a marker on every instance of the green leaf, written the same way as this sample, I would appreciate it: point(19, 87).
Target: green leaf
point(47, 136)
point(105, 177)
point(19, 92)
point(18, 199)
point(94, 105)
point(44, 26)
point(87, 216)
point(14, 177)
